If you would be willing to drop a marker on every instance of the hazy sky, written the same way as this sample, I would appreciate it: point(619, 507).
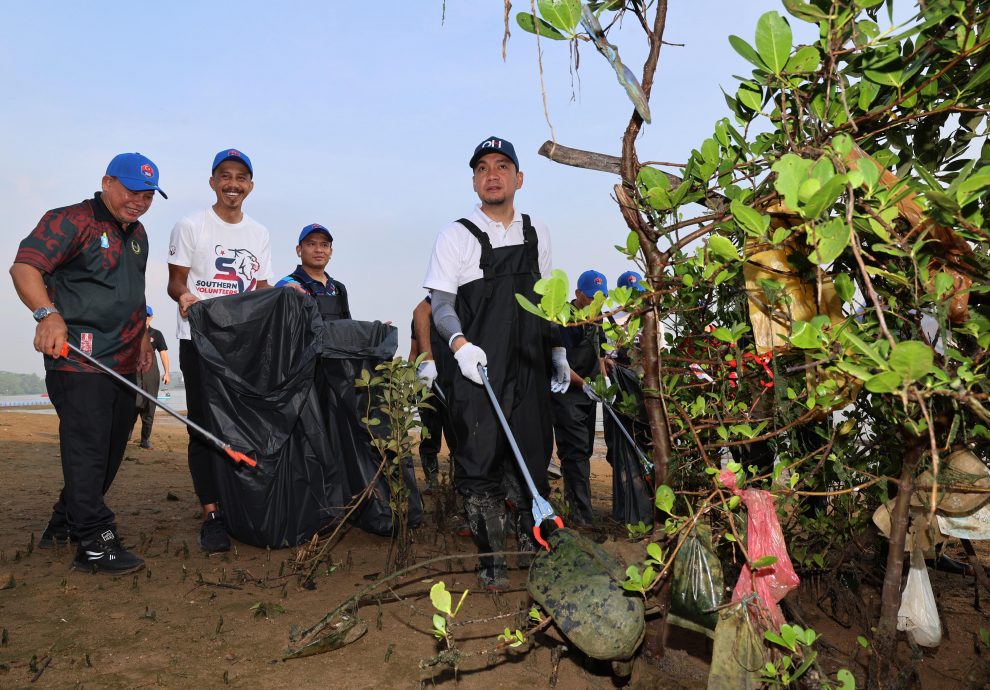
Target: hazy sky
point(357, 115)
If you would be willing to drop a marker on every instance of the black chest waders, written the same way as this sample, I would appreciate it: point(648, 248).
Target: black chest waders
point(517, 345)
point(331, 307)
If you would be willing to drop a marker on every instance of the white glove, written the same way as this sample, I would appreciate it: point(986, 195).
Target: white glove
point(426, 372)
point(468, 357)
point(590, 393)
point(560, 378)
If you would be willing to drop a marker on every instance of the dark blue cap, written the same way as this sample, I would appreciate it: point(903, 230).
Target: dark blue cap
point(591, 282)
point(151, 312)
point(310, 229)
point(231, 155)
point(136, 172)
point(495, 145)
point(631, 279)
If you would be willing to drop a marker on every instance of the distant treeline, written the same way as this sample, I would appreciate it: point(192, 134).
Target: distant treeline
point(20, 384)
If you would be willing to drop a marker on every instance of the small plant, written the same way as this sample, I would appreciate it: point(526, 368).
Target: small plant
point(263, 609)
point(642, 582)
point(442, 600)
point(638, 531)
point(790, 667)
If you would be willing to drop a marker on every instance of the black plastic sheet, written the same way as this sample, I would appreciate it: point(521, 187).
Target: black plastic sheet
point(632, 498)
point(279, 385)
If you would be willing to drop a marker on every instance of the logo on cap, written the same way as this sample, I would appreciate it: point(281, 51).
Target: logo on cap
point(234, 152)
point(147, 170)
point(598, 281)
point(492, 144)
point(632, 279)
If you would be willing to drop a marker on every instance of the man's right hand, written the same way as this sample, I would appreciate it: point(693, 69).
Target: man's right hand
point(426, 372)
point(51, 335)
point(186, 301)
point(468, 357)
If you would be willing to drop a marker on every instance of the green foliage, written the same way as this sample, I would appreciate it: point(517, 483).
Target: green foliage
point(20, 384)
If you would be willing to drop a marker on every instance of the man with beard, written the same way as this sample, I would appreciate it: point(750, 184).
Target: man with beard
point(217, 251)
point(478, 265)
point(314, 251)
point(82, 272)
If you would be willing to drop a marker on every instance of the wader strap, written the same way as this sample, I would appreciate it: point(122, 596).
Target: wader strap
point(532, 244)
point(487, 262)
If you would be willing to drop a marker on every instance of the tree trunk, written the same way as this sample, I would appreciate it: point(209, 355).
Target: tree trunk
point(883, 669)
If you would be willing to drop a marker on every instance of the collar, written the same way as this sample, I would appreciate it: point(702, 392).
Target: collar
point(102, 214)
point(303, 277)
point(488, 222)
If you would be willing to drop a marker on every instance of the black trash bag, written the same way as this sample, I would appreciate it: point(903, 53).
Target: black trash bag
point(259, 352)
point(348, 347)
point(632, 498)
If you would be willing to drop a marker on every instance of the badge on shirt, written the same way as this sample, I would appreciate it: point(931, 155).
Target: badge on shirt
point(105, 241)
point(135, 247)
point(86, 343)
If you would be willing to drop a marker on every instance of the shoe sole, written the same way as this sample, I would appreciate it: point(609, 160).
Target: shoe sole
point(95, 569)
point(224, 549)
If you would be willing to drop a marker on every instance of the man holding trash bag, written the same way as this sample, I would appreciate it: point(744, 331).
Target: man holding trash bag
point(478, 265)
point(575, 409)
point(82, 273)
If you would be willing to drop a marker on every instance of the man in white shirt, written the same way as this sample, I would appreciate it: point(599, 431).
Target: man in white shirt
point(217, 251)
point(478, 265)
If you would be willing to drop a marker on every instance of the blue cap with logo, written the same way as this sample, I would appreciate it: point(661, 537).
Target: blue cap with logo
point(631, 279)
point(151, 312)
point(136, 172)
point(311, 228)
point(231, 155)
point(494, 144)
point(591, 282)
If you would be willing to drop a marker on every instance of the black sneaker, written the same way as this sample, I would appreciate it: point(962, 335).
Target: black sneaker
point(213, 535)
point(55, 533)
point(105, 554)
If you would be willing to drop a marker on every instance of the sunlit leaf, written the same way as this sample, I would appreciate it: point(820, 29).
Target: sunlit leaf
point(525, 22)
point(773, 41)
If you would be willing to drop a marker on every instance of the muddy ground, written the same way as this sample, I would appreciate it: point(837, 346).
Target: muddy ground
point(189, 620)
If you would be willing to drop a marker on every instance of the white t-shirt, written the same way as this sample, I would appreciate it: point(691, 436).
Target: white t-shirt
point(456, 253)
point(222, 258)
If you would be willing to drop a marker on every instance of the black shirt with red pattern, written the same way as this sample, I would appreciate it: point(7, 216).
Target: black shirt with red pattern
point(94, 270)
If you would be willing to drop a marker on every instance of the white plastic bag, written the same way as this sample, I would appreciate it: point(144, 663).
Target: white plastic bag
point(918, 614)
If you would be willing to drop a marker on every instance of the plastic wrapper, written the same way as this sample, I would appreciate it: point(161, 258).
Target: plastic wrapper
point(698, 582)
point(763, 538)
point(738, 653)
point(918, 615)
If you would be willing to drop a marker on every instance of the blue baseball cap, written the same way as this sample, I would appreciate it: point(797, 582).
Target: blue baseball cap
point(151, 312)
point(631, 279)
point(311, 228)
point(591, 282)
point(494, 144)
point(231, 155)
point(136, 172)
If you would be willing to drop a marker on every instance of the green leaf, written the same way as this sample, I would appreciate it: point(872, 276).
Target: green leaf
point(943, 283)
point(805, 60)
point(884, 382)
point(846, 678)
point(439, 625)
point(764, 562)
point(655, 552)
point(823, 199)
point(791, 171)
point(563, 14)
point(867, 92)
point(750, 219)
point(545, 30)
point(750, 95)
point(912, 360)
point(632, 244)
point(805, 11)
point(665, 499)
point(723, 248)
point(845, 288)
point(651, 177)
point(440, 598)
point(529, 306)
point(829, 240)
point(865, 349)
point(747, 51)
point(806, 335)
point(974, 183)
point(773, 41)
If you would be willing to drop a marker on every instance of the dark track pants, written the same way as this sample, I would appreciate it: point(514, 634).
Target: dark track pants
point(202, 455)
point(95, 414)
point(574, 433)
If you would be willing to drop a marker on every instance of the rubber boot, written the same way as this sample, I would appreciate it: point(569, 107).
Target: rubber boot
point(522, 523)
point(487, 519)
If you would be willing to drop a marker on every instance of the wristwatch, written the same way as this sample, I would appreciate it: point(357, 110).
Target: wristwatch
point(40, 314)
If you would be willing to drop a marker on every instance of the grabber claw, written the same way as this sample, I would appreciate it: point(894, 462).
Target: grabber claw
point(235, 455)
point(539, 536)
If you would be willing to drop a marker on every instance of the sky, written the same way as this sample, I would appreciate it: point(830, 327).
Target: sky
point(361, 116)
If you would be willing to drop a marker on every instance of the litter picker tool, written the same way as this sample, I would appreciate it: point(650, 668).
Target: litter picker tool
point(438, 391)
point(235, 455)
point(646, 463)
point(542, 510)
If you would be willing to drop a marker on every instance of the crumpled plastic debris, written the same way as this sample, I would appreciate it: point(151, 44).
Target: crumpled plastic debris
point(763, 538)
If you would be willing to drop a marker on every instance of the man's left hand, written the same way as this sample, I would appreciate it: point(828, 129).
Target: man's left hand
point(144, 358)
point(560, 377)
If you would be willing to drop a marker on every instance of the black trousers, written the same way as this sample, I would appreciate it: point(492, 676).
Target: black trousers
point(574, 433)
point(202, 455)
point(95, 415)
point(149, 382)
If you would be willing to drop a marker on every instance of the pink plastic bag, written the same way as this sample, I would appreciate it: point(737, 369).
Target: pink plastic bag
point(763, 538)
